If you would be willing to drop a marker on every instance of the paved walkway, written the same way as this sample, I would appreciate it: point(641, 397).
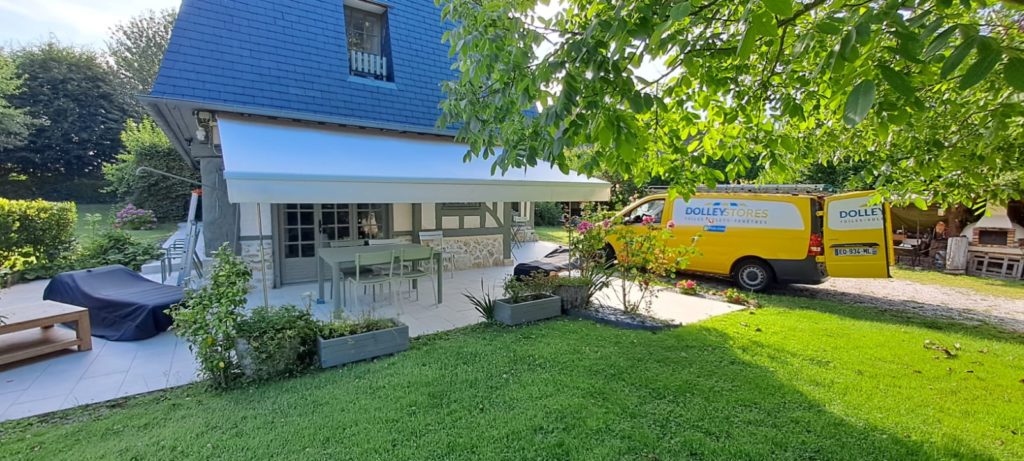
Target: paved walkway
point(116, 369)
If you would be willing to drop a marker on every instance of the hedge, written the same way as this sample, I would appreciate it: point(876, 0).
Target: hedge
point(57, 189)
point(35, 235)
point(547, 213)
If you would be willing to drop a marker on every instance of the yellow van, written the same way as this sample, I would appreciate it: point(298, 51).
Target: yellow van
point(759, 239)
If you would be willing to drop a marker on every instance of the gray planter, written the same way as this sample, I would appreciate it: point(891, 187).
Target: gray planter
point(347, 349)
point(529, 311)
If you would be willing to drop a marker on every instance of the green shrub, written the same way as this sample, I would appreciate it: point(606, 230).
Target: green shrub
point(56, 189)
point(146, 146)
point(208, 318)
point(482, 303)
point(116, 247)
point(276, 342)
point(547, 214)
point(342, 328)
point(35, 236)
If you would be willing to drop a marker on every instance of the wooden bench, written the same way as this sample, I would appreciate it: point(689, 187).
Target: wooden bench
point(18, 343)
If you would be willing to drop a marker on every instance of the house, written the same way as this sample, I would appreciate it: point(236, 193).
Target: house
point(315, 121)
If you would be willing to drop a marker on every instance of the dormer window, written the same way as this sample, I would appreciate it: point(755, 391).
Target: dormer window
point(368, 50)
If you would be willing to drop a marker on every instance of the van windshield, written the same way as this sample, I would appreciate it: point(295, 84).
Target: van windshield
point(652, 208)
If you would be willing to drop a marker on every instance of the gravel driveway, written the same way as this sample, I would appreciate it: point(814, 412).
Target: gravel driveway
point(929, 300)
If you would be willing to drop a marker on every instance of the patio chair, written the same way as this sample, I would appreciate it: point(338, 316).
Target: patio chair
point(520, 225)
point(364, 278)
point(376, 242)
point(173, 254)
point(411, 258)
point(447, 258)
point(343, 244)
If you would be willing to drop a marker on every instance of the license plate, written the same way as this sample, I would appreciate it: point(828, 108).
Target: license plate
point(856, 251)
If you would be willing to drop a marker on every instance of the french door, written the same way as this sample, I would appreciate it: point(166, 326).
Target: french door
point(304, 227)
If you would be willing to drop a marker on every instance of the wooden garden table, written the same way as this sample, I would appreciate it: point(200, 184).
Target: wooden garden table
point(16, 343)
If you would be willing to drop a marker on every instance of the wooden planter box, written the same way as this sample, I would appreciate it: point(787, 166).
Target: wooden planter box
point(529, 311)
point(347, 349)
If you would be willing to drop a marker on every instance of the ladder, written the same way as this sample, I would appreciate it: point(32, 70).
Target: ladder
point(791, 189)
point(190, 261)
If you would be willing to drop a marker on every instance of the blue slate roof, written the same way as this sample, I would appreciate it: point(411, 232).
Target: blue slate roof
point(292, 56)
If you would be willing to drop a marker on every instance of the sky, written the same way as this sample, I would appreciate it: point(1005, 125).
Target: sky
point(79, 22)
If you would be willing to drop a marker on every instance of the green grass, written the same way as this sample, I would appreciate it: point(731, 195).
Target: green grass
point(798, 379)
point(85, 234)
point(995, 287)
point(556, 234)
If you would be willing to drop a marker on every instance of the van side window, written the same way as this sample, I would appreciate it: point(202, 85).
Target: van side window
point(653, 208)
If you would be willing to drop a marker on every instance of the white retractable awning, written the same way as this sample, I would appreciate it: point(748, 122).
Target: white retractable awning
point(283, 162)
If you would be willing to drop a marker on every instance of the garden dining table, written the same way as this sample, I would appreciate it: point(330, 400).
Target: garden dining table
point(335, 258)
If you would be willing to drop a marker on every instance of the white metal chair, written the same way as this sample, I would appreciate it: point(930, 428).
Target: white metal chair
point(447, 258)
point(520, 225)
point(411, 268)
point(363, 277)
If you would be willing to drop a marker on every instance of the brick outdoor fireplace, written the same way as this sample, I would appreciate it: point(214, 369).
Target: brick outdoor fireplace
point(995, 248)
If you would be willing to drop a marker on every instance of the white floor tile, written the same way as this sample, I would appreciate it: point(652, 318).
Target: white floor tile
point(96, 389)
point(35, 407)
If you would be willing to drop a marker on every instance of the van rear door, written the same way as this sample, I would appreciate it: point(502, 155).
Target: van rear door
point(857, 236)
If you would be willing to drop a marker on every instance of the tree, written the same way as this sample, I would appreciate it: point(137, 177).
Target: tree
point(146, 146)
point(136, 48)
point(925, 94)
point(14, 122)
point(71, 91)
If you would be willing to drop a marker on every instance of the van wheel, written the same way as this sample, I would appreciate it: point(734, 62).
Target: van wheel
point(753, 275)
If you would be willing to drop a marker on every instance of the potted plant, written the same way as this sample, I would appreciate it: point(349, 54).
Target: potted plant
point(346, 341)
point(527, 300)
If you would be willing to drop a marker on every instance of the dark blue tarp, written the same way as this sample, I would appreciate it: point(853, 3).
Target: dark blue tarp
point(555, 261)
point(123, 305)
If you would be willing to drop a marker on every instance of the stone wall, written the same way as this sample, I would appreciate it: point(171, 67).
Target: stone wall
point(251, 255)
point(475, 251)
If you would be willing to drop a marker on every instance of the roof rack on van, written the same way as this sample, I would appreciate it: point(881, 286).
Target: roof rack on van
point(797, 189)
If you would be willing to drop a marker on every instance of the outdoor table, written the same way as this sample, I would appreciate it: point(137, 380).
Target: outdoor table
point(21, 344)
point(336, 257)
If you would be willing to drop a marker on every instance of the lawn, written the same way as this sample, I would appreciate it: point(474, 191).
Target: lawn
point(798, 379)
point(84, 233)
point(555, 234)
point(996, 287)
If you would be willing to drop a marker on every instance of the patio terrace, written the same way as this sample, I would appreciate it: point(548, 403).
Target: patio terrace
point(117, 369)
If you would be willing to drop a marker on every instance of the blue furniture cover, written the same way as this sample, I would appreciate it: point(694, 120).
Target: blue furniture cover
point(555, 261)
point(123, 305)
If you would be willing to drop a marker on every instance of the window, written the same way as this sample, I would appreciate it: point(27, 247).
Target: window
point(366, 27)
point(652, 208)
point(364, 30)
point(462, 206)
point(337, 223)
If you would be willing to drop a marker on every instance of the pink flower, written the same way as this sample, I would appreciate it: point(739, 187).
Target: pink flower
point(584, 226)
point(606, 223)
point(688, 284)
point(671, 225)
point(648, 219)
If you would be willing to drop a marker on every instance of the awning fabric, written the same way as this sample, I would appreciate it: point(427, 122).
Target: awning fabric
point(283, 162)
